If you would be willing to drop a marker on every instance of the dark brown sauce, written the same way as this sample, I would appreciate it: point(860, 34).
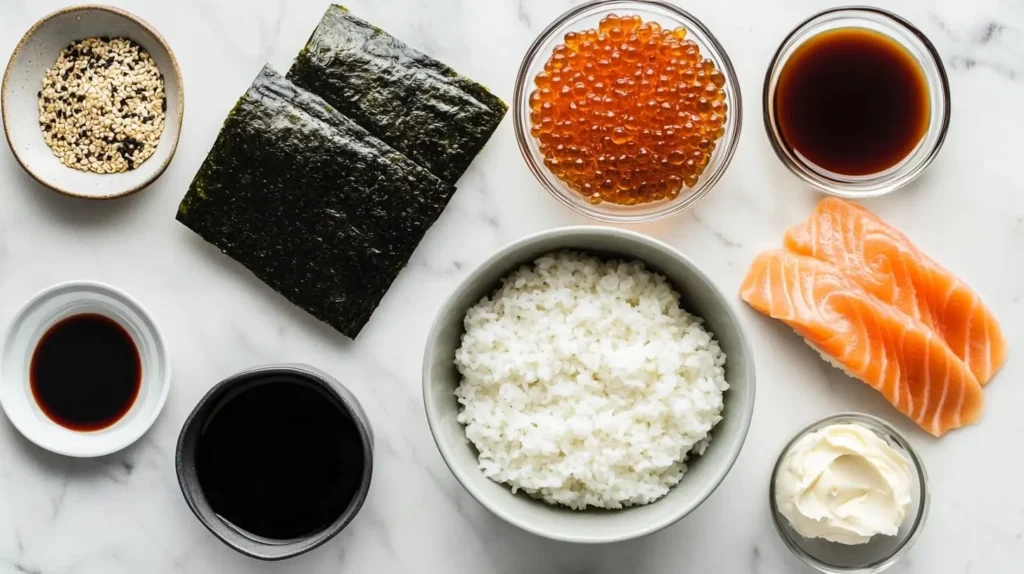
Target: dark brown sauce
point(852, 101)
point(85, 372)
point(280, 459)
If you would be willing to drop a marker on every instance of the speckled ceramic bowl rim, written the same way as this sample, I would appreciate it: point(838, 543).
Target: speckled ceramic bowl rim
point(875, 424)
point(177, 74)
point(462, 473)
point(192, 493)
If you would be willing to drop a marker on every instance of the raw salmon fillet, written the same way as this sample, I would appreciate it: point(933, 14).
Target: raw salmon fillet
point(894, 353)
point(890, 267)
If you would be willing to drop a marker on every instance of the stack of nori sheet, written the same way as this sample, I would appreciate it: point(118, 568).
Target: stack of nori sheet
point(326, 199)
point(315, 206)
point(412, 102)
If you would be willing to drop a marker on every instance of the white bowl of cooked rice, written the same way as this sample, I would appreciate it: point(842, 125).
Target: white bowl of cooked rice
point(588, 384)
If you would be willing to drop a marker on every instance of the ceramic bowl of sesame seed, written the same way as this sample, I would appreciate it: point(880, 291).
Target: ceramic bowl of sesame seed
point(92, 102)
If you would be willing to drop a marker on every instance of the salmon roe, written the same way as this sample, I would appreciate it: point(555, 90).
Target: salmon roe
point(628, 113)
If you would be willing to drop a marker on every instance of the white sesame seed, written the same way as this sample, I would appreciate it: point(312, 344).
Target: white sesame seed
point(94, 101)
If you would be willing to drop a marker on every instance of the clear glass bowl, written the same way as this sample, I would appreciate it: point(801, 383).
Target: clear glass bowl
point(930, 63)
point(587, 16)
point(881, 552)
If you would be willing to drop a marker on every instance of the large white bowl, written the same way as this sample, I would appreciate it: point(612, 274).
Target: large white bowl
point(700, 296)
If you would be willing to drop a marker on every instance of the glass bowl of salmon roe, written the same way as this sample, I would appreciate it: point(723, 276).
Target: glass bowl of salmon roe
point(627, 110)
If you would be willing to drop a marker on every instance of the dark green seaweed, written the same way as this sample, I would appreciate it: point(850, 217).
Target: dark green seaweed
point(311, 203)
point(417, 105)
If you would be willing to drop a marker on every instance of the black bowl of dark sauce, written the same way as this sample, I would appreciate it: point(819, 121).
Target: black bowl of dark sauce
point(276, 460)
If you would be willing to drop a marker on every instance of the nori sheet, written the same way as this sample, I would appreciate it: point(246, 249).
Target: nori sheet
point(417, 105)
point(311, 203)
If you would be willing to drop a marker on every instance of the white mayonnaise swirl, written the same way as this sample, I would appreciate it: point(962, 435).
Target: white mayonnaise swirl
point(845, 484)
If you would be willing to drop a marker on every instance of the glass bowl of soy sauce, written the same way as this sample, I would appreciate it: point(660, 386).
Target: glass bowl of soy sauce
point(856, 102)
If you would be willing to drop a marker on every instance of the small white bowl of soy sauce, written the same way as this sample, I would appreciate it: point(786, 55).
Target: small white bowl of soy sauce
point(84, 370)
point(276, 460)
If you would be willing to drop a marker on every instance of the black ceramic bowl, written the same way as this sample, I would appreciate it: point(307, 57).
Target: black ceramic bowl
point(188, 478)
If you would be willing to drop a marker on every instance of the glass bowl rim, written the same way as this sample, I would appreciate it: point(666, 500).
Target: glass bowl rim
point(875, 424)
point(889, 182)
point(663, 208)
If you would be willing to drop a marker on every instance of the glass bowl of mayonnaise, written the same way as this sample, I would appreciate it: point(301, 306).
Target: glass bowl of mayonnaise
point(849, 495)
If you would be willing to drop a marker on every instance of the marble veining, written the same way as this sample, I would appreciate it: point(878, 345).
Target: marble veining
point(124, 513)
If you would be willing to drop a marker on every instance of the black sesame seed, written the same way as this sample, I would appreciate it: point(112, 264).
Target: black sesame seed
point(163, 105)
point(39, 94)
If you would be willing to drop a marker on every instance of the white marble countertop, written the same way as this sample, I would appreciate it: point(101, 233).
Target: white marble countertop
point(125, 514)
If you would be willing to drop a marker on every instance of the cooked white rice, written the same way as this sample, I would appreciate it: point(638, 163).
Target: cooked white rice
point(585, 384)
